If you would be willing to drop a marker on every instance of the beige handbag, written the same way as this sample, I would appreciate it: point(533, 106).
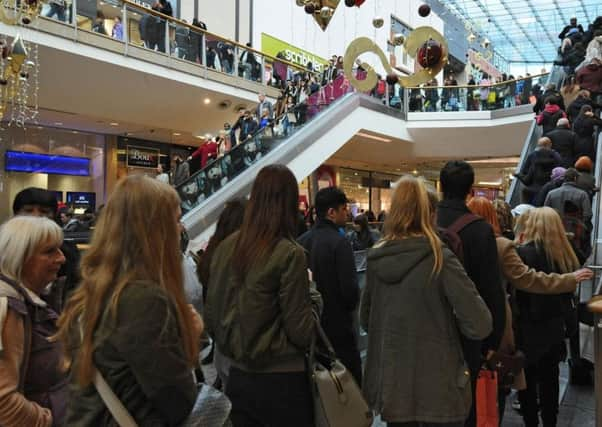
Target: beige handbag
point(338, 401)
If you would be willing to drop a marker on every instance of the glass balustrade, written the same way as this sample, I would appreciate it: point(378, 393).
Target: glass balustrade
point(134, 25)
point(483, 97)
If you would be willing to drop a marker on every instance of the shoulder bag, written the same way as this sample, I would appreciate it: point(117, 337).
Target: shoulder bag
point(338, 401)
point(211, 408)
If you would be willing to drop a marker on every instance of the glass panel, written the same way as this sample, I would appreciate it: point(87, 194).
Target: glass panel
point(220, 54)
point(486, 96)
point(59, 10)
point(249, 64)
point(146, 30)
point(247, 148)
point(104, 19)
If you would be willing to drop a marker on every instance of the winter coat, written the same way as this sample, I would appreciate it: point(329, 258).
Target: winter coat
point(590, 78)
point(140, 354)
point(332, 263)
point(569, 191)
point(264, 321)
point(587, 183)
point(415, 369)
point(543, 193)
point(482, 266)
point(35, 395)
point(594, 49)
point(584, 128)
point(564, 142)
point(549, 117)
point(575, 107)
point(542, 161)
point(541, 318)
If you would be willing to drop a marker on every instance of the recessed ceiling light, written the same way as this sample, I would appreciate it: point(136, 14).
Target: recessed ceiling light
point(199, 136)
point(74, 131)
point(176, 134)
point(58, 123)
point(40, 127)
point(207, 101)
point(114, 124)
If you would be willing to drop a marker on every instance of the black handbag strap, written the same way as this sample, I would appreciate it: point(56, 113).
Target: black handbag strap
point(320, 338)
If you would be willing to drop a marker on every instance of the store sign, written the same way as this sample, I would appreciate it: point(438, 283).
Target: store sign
point(281, 49)
point(140, 157)
point(483, 65)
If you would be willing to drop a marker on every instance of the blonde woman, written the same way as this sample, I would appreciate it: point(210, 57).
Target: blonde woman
point(541, 318)
point(129, 318)
point(33, 390)
point(417, 302)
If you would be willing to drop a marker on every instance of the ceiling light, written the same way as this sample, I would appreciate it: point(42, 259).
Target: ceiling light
point(58, 123)
point(492, 183)
point(415, 172)
point(74, 131)
point(114, 124)
point(207, 101)
point(375, 138)
point(176, 134)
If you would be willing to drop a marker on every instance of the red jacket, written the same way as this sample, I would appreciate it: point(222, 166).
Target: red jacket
point(590, 78)
point(206, 151)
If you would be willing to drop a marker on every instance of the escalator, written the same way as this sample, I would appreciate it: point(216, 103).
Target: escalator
point(513, 197)
point(319, 131)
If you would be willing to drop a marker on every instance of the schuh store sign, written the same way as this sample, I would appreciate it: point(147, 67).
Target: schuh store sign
point(141, 157)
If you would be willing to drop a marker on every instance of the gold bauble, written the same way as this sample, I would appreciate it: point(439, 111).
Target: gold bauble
point(378, 22)
point(398, 39)
point(326, 12)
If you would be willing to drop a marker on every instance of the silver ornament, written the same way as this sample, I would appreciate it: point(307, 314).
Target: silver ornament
point(378, 22)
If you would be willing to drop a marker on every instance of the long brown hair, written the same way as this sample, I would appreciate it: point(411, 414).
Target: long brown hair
point(411, 215)
point(483, 207)
point(136, 238)
point(544, 227)
point(271, 215)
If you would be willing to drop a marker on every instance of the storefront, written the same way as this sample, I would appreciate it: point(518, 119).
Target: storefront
point(69, 163)
point(139, 156)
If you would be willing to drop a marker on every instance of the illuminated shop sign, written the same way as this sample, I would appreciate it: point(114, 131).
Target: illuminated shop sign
point(140, 157)
point(20, 161)
point(281, 49)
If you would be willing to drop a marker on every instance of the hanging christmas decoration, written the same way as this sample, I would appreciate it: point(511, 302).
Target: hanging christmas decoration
point(349, 3)
point(14, 12)
point(378, 22)
point(424, 10)
point(321, 10)
point(471, 37)
point(425, 43)
point(358, 3)
point(398, 39)
point(19, 82)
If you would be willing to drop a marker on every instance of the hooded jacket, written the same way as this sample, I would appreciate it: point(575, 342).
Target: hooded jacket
point(415, 369)
point(549, 117)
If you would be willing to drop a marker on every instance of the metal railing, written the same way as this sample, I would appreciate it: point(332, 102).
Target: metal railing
point(134, 26)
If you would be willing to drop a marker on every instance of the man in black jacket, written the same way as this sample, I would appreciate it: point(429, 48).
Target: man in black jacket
point(480, 261)
point(333, 265)
point(564, 142)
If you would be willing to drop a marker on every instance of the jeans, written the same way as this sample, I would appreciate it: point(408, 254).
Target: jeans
point(57, 10)
point(542, 382)
point(270, 399)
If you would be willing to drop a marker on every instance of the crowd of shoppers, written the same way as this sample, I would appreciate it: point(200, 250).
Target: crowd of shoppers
point(128, 321)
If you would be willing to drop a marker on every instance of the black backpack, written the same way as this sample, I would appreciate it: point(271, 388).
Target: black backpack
point(451, 234)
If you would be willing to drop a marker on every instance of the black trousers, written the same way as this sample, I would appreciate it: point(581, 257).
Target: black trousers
point(270, 400)
point(542, 381)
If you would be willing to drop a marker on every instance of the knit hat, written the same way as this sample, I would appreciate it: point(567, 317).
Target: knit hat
point(521, 209)
point(558, 173)
point(584, 163)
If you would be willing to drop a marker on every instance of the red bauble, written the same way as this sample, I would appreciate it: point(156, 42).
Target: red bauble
point(358, 3)
point(349, 3)
point(310, 8)
point(392, 78)
point(424, 10)
point(430, 54)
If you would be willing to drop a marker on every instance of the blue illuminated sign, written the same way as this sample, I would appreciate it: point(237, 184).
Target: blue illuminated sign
point(19, 161)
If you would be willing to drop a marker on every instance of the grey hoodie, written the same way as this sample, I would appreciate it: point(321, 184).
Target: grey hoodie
point(415, 369)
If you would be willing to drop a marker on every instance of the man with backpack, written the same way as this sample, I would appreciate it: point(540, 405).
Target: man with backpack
point(479, 255)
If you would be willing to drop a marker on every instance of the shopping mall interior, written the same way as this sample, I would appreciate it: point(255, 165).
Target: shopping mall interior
point(364, 96)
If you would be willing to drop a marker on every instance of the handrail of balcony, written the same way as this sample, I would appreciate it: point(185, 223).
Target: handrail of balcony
point(477, 86)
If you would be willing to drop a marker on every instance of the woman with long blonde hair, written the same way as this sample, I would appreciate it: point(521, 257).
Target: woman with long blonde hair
point(129, 320)
point(417, 292)
point(518, 276)
point(541, 325)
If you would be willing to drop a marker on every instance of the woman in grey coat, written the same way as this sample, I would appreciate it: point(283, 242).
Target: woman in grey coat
point(417, 302)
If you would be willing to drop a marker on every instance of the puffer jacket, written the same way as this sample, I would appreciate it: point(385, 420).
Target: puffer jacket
point(263, 322)
point(415, 368)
